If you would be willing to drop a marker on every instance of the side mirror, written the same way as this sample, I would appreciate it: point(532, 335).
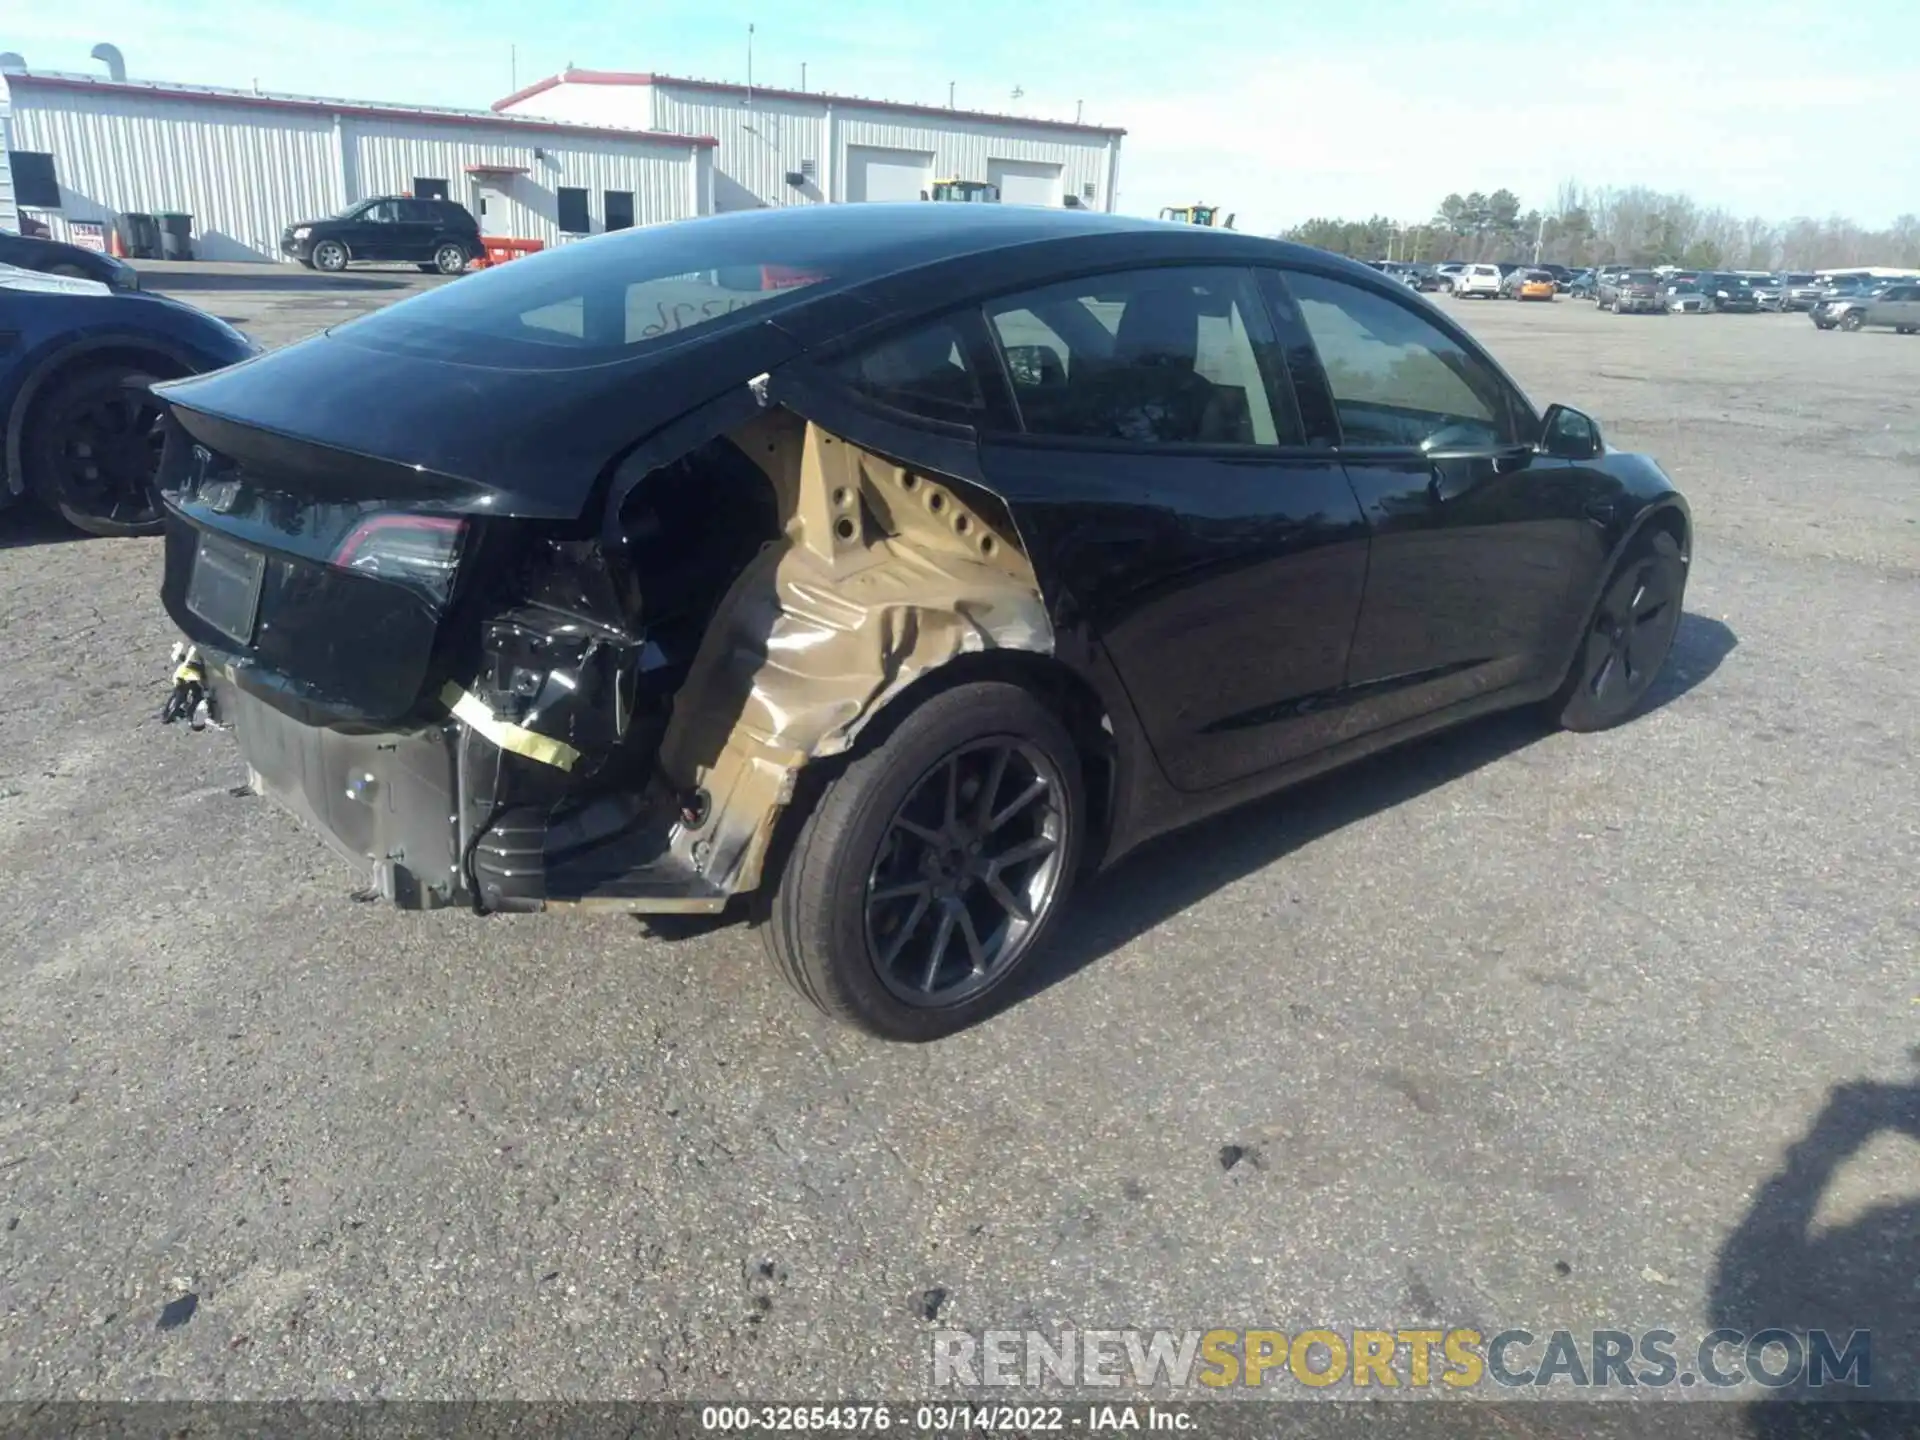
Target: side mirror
point(1566, 434)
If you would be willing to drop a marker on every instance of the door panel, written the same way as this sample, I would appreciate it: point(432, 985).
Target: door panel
point(1473, 561)
point(1223, 588)
point(381, 234)
point(1173, 506)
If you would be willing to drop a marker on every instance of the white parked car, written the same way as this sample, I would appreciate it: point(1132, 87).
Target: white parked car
point(1481, 280)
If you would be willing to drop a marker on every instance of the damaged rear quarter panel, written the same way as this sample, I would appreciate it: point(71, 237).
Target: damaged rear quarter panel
point(884, 573)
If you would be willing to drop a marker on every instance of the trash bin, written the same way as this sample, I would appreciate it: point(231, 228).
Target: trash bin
point(176, 236)
point(140, 234)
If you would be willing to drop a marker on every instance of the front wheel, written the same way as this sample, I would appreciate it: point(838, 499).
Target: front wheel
point(1852, 320)
point(93, 451)
point(1628, 637)
point(331, 256)
point(449, 259)
point(932, 867)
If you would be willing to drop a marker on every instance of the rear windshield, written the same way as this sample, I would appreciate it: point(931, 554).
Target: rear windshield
point(595, 301)
point(1639, 277)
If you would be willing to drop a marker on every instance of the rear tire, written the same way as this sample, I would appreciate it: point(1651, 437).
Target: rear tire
point(93, 450)
point(1627, 638)
point(449, 258)
point(895, 879)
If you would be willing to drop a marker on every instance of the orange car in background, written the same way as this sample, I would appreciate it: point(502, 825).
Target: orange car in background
point(1535, 285)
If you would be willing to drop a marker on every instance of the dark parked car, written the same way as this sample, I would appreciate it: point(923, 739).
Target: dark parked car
point(1730, 294)
point(1801, 290)
point(76, 415)
point(1582, 285)
point(1635, 292)
point(434, 234)
point(892, 565)
point(55, 257)
point(1896, 306)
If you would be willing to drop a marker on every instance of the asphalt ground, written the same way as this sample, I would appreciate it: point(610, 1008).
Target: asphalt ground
point(1508, 1029)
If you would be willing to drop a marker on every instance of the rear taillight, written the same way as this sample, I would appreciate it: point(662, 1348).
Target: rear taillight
point(418, 551)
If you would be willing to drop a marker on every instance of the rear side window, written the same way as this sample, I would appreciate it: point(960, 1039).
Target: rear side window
point(1397, 379)
point(1152, 357)
point(590, 302)
point(923, 372)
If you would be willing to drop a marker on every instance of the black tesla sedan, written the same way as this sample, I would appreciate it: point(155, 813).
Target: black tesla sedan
point(890, 565)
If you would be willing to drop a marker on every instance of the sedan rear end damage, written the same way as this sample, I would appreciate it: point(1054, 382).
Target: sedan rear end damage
point(884, 575)
point(628, 736)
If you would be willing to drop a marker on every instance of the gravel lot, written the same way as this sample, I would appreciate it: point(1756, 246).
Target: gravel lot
point(1512, 1028)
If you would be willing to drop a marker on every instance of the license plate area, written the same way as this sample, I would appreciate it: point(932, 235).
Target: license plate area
point(224, 589)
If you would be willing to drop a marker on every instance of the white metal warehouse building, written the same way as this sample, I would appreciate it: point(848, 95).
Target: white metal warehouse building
point(82, 149)
point(787, 147)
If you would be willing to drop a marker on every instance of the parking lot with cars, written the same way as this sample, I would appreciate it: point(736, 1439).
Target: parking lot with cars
point(1510, 1028)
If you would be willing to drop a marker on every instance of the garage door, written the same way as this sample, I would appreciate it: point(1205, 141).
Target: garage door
point(875, 174)
point(1025, 182)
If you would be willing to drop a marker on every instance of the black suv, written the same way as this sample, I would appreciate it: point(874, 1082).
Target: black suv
point(433, 234)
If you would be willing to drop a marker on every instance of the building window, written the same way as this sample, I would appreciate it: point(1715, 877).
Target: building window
point(428, 189)
point(574, 219)
point(807, 170)
point(1087, 192)
point(33, 179)
point(619, 209)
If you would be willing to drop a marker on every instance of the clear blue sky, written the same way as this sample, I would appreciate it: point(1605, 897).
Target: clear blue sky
point(1277, 111)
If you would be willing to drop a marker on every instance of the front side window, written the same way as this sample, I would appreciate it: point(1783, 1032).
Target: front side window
point(381, 212)
point(1397, 379)
point(1151, 357)
point(924, 372)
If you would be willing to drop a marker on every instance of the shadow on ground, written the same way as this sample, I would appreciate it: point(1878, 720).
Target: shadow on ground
point(1179, 870)
point(1778, 1271)
point(24, 523)
point(281, 278)
point(1182, 869)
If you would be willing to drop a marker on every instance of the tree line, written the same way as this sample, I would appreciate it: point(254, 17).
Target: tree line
point(1631, 226)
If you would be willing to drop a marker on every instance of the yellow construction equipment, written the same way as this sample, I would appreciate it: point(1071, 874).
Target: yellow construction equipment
point(976, 192)
point(1196, 215)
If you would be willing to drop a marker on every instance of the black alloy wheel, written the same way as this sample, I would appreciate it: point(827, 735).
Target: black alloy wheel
point(925, 874)
point(95, 451)
point(1628, 638)
point(970, 861)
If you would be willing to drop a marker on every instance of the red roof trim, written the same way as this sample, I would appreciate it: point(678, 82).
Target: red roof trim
point(16, 79)
point(636, 77)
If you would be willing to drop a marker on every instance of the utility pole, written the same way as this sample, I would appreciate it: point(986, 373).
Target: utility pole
point(513, 68)
point(1539, 239)
point(803, 76)
point(749, 64)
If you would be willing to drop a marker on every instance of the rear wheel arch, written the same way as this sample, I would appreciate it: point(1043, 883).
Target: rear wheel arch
point(1065, 691)
point(63, 365)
